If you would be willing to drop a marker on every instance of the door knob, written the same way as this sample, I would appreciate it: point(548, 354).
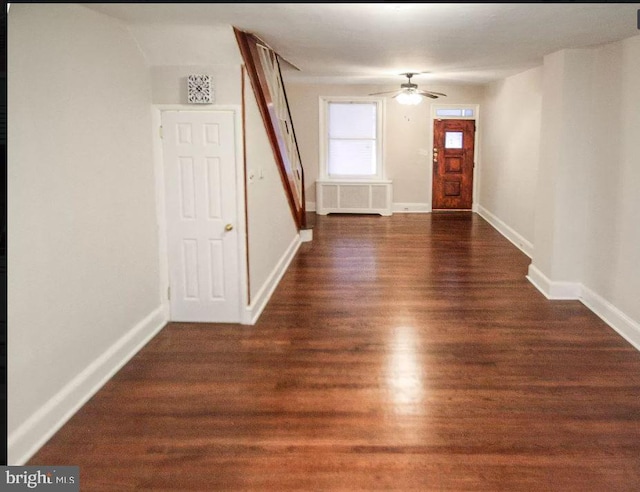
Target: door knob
point(228, 227)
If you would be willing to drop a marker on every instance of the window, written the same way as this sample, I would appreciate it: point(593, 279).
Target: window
point(452, 140)
point(453, 112)
point(351, 138)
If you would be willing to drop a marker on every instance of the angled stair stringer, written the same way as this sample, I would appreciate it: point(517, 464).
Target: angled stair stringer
point(263, 68)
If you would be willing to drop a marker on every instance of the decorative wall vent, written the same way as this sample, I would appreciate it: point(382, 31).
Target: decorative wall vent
point(199, 90)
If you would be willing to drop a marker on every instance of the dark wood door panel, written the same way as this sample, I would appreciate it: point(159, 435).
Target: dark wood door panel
point(453, 142)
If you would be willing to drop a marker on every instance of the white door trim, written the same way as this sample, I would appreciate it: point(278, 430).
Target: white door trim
point(158, 164)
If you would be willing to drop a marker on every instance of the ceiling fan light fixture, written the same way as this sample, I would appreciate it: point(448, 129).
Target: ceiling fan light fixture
point(409, 92)
point(409, 97)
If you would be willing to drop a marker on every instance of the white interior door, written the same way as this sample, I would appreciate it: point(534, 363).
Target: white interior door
point(202, 238)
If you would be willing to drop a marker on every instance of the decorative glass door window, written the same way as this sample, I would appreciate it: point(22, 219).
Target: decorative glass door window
point(453, 140)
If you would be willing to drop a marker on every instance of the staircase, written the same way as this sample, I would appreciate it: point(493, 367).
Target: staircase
point(263, 68)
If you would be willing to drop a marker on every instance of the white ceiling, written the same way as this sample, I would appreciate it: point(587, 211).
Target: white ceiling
point(374, 42)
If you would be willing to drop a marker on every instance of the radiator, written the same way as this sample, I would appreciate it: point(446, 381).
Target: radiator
point(356, 197)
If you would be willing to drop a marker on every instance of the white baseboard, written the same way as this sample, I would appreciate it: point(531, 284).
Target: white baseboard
point(518, 240)
point(47, 420)
point(254, 310)
point(611, 315)
point(539, 281)
point(306, 235)
point(552, 289)
point(409, 208)
point(616, 319)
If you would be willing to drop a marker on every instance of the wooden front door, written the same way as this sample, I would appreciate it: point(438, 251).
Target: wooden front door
point(453, 164)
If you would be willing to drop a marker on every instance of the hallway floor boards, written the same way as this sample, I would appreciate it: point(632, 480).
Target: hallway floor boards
point(398, 353)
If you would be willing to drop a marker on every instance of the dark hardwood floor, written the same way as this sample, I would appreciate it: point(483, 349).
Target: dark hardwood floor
point(398, 353)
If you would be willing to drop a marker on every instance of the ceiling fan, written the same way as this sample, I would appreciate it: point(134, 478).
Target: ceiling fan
point(409, 92)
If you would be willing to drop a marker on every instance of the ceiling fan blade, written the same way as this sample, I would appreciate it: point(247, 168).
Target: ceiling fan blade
point(430, 93)
point(427, 94)
point(395, 93)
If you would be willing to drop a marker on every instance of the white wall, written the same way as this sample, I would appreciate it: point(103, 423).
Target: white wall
point(83, 288)
point(566, 163)
point(510, 143)
point(407, 134)
point(175, 51)
point(169, 83)
point(273, 235)
point(586, 226)
point(612, 246)
point(550, 142)
point(560, 170)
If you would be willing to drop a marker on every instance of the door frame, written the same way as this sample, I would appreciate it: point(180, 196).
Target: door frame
point(161, 218)
point(476, 147)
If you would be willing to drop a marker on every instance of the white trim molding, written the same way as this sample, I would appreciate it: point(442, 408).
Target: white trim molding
point(49, 418)
point(628, 328)
point(551, 289)
point(306, 235)
point(254, 310)
point(611, 315)
point(517, 239)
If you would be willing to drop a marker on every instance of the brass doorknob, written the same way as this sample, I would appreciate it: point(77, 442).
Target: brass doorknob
point(228, 227)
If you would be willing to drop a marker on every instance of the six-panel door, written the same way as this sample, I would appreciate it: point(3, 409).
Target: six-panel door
point(202, 240)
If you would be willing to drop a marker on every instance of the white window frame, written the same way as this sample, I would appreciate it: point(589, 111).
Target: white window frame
point(435, 107)
point(323, 168)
